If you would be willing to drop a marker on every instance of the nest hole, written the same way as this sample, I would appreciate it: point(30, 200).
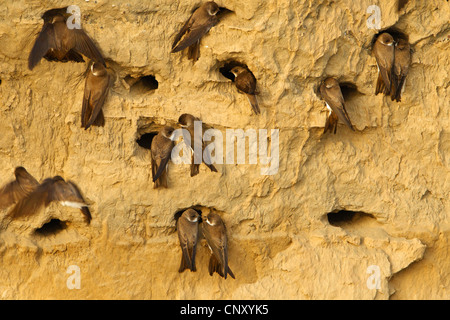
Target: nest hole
point(145, 140)
point(53, 227)
point(341, 217)
point(141, 85)
point(225, 70)
point(349, 90)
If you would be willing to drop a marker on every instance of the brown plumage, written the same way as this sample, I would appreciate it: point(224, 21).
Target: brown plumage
point(56, 42)
point(332, 94)
point(245, 82)
point(203, 19)
point(18, 189)
point(402, 60)
point(187, 228)
point(51, 189)
point(187, 122)
point(161, 149)
point(383, 50)
point(331, 123)
point(96, 90)
point(215, 233)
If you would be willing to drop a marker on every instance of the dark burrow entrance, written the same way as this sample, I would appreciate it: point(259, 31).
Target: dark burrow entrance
point(141, 85)
point(342, 217)
point(53, 227)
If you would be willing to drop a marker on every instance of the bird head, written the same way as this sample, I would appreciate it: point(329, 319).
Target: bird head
point(98, 69)
point(212, 8)
point(186, 120)
point(191, 215)
point(168, 132)
point(386, 39)
point(330, 83)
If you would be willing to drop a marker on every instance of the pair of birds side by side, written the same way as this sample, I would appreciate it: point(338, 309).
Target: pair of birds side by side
point(163, 143)
point(57, 42)
point(29, 196)
point(215, 233)
point(393, 59)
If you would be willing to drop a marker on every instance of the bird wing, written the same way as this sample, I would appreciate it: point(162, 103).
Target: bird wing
point(44, 41)
point(164, 155)
point(180, 34)
point(68, 194)
point(218, 245)
point(85, 46)
point(192, 32)
point(31, 204)
point(385, 68)
point(188, 242)
point(161, 168)
point(94, 101)
point(10, 194)
point(246, 83)
point(336, 102)
point(18, 189)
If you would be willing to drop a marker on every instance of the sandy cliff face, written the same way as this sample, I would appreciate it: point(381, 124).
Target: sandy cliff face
point(341, 212)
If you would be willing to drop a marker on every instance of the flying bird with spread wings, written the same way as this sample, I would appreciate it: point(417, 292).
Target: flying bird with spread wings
point(38, 196)
point(56, 42)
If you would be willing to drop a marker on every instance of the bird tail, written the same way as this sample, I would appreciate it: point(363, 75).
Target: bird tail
point(194, 51)
point(397, 86)
point(215, 266)
point(380, 87)
point(254, 103)
point(331, 123)
point(194, 169)
point(211, 167)
point(87, 214)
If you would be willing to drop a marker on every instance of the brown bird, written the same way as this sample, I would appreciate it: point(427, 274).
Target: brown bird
point(402, 61)
point(96, 90)
point(245, 82)
point(384, 53)
point(161, 149)
point(51, 189)
point(187, 228)
point(215, 233)
point(200, 22)
point(56, 42)
point(18, 189)
point(332, 94)
point(187, 121)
